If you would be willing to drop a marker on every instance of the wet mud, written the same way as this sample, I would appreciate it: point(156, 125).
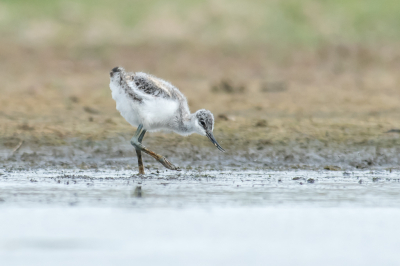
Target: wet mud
point(117, 153)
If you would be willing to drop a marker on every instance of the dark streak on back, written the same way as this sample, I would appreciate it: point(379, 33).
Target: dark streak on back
point(148, 86)
point(129, 90)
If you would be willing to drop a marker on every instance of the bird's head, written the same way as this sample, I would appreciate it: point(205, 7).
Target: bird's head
point(204, 125)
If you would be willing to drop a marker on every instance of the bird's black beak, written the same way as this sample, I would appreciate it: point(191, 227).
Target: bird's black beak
point(214, 141)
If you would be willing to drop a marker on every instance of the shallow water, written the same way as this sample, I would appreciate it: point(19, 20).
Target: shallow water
point(229, 188)
point(199, 217)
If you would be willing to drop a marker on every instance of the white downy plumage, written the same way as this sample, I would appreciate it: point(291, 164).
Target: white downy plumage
point(157, 105)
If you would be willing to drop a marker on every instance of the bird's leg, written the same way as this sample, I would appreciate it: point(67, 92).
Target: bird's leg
point(140, 162)
point(136, 141)
point(138, 137)
point(139, 153)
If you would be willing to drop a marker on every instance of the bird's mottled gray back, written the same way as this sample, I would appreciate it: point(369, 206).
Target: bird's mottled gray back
point(146, 84)
point(206, 117)
point(150, 86)
point(156, 87)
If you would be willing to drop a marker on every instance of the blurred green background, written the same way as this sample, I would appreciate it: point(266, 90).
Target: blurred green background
point(278, 23)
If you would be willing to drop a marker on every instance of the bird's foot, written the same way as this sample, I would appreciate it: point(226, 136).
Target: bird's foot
point(168, 164)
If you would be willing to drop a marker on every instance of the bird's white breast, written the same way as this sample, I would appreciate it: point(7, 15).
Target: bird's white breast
point(154, 113)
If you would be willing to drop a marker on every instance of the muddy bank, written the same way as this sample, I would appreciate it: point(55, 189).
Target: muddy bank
point(188, 153)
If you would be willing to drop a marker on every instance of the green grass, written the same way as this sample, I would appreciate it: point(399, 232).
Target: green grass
point(290, 23)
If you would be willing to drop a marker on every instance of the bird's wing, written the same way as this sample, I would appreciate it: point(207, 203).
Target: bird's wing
point(153, 86)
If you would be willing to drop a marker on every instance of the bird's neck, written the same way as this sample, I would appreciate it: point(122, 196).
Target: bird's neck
point(188, 125)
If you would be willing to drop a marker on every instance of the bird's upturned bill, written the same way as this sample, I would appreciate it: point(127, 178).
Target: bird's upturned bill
point(214, 141)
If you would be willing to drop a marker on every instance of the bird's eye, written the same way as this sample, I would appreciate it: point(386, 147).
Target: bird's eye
point(202, 123)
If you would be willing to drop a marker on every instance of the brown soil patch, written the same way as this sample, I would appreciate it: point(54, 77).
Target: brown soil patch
point(335, 94)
